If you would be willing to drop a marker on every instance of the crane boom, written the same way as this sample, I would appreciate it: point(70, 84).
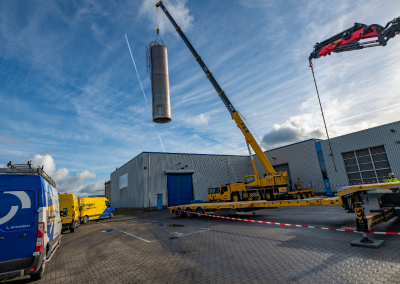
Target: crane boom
point(221, 93)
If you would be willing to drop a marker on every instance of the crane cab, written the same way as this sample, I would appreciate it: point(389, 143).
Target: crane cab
point(251, 180)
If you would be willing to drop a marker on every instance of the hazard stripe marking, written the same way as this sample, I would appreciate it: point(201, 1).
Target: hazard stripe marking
point(293, 225)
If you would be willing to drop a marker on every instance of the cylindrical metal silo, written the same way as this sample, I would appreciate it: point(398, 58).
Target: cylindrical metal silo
point(160, 84)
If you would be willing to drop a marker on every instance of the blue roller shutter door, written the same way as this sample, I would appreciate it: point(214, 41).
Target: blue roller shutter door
point(180, 190)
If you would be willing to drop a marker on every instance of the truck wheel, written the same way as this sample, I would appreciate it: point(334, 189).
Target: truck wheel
point(309, 194)
point(298, 196)
point(71, 230)
point(188, 213)
point(268, 196)
point(250, 198)
point(39, 275)
point(111, 214)
point(180, 213)
point(200, 211)
point(85, 219)
point(235, 197)
point(304, 195)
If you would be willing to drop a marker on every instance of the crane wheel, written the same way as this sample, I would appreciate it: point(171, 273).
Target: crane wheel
point(250, 198)
point(235, 197)
point(298, 196)
point(304, 195)
point(309, 194)
point(268, 196)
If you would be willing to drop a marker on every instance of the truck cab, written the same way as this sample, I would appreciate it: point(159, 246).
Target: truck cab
point(219, 193)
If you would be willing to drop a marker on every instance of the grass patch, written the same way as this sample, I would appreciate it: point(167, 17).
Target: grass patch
point(117, 213)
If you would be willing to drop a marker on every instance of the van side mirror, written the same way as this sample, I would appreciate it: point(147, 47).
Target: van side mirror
point(80, 208)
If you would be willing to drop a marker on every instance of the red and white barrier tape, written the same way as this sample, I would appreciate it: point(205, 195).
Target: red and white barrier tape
point(292, 225)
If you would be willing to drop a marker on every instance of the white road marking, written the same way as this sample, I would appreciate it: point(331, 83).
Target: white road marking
point(147, 241)
point(176, 234)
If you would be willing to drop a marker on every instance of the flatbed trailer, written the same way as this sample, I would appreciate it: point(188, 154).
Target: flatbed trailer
point(351, 198)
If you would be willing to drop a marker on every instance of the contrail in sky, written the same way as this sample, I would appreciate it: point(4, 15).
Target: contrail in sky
point(133, 60)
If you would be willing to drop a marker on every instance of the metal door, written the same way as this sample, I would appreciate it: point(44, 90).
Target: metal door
point(159, 201)
point(180, 189)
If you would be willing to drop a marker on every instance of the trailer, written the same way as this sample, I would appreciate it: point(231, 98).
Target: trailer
point(351, 199)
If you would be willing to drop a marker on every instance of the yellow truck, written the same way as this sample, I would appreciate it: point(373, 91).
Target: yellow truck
point(95, 207)
point(69, 210)
point(270, 187)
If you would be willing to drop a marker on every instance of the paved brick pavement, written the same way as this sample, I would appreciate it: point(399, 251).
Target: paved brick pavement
point(144, 248)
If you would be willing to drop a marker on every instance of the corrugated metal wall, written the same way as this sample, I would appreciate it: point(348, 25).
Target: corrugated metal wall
point(209, 170)
point(372, 137)
point(107, 188)
point(212, 170)
point(134, 194)
point(302, 160)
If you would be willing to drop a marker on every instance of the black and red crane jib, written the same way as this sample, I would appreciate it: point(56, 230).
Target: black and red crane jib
point(351, 39)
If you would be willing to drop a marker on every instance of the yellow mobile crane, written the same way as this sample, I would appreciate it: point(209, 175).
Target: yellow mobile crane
point(273, 184)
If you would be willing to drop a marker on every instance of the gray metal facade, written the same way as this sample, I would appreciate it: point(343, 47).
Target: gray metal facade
point(146, 172)
point(368, 138)
point(302, 160)
point(147, 178)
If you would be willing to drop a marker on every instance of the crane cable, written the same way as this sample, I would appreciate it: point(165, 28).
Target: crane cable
point(323, 117)
point(158, 27)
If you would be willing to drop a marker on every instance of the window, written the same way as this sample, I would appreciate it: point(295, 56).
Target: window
point(366, 165)
point(64, 213)
point(224, 189)
point(249, 179)
point(108, 203)
point(213, 190)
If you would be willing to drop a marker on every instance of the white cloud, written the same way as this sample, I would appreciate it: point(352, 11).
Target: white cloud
point(177, 8)
point(66, 183)
point(3, 166)
point(306, 126)
point(197, 120)
point(94, 187)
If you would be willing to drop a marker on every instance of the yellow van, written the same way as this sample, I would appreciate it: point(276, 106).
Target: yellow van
point(95, 208)
point(69, 211)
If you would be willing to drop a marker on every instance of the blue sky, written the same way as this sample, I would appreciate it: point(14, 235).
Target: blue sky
point(71, 100)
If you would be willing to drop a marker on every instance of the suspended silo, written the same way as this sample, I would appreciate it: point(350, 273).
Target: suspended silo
point(157, 64)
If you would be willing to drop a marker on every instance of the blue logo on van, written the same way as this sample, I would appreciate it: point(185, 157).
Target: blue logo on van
point(25, 203)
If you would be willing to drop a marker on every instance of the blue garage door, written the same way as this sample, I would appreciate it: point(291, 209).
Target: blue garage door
point(180, 189)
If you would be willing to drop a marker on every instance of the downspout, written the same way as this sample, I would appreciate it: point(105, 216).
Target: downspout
point(148, 183)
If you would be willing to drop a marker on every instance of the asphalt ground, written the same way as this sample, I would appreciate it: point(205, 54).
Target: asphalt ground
point(150, 248)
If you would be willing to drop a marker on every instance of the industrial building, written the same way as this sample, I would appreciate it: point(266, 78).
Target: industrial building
point(153, 181)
